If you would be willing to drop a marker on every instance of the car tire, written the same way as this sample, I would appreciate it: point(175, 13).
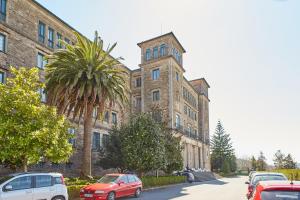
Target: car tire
point(58, 198)
point(138, 192)
point(111, 196)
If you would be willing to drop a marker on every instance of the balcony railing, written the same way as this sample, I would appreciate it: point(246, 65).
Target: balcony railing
point(179, 128)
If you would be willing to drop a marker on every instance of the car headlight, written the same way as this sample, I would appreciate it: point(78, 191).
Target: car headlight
point(99, 192)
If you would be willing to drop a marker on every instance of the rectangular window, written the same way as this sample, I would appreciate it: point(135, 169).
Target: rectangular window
point(155, 74)
point(2, 77)
point(105, 140)
point(43, 181)
point(2, 10)
point(177, 76)
point(155, 52)
point(59, 38)
point(2, 42)
point(41, 62)
point(177, 121)
point(114, 119)
point(43, 95)
point(73, 139)
point(148, 54)
point(42, 32)
point(21, 183)
point(138, 102)
point(138, 82)
point(50, 37)
point(155, 96)
point(185, 109)
point(162, 50)
point(96, 141)
point(106, 117)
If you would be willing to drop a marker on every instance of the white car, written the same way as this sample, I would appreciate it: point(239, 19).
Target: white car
point(33, 186)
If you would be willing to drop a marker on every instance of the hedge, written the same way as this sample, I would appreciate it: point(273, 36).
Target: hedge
point(289, 173)
point(75, 184)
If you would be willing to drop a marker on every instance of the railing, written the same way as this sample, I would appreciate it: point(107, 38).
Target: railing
point(186, 132)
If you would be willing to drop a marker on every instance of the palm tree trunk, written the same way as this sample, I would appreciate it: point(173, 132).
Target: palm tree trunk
point(86, 169)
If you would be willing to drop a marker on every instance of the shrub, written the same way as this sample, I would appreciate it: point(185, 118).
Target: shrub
point(290, 173)
point(74, 191)
point(152, 181)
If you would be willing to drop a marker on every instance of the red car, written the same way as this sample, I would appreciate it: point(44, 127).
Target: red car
point(112, 186)
point(280, 190)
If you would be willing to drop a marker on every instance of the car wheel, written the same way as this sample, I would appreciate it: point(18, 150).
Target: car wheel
point(138, 192)
point(59, 198)
point(111, 196)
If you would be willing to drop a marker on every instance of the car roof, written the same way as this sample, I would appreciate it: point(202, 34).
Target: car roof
point(279, 185)
point(35, 173)
point(118, 174)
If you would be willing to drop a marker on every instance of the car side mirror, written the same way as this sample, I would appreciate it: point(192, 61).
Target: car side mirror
point(121, 182)
point(247, 182)
point(8, 188)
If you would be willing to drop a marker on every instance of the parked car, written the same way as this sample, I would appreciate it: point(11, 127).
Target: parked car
point(251, 174)
point(33, 186)
point(283, 190)
point(262, 176)
point(112, 186)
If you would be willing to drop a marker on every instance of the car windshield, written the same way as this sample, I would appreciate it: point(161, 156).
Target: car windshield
point(280, 195)
point(5, 178)
point(108, 179)
point(267, 178)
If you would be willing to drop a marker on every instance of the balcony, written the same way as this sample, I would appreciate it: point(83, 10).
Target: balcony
point(179, 128)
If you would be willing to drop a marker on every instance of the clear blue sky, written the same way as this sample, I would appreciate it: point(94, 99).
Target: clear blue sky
point(248, 50)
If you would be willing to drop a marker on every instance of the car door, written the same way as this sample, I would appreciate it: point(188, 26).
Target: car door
point(132, 184)
point(122, 189)
point(18, 188)
point(43, 187)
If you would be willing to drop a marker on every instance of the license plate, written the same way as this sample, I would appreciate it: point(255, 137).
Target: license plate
point(88, 195)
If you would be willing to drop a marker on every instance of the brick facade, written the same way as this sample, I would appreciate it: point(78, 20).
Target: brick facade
point(20, 27)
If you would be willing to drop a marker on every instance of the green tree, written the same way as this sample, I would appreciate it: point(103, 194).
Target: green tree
point(261, 162)
point(113, 155)
point(29, 129)
point(143, 144)
point(253, 163)
point(81, 78)
point(279, 160)
point(222, 151)
point(289, 163)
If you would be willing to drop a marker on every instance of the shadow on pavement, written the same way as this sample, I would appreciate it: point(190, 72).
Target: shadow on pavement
point(173, 192)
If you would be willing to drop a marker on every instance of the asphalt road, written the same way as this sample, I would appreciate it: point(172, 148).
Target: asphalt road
point(223, 189)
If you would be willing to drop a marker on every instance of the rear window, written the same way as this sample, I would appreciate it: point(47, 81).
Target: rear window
point(268, 178)
point(58, 180)
point(280, 195)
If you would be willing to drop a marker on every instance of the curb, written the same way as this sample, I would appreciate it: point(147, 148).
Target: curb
point(164, 187)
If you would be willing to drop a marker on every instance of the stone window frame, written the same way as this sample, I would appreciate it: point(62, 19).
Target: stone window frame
point(177, 116)
point(96, 141)
point(136, 104)
point(154, 76)
point(114, 121)
point(138, 82)
point(155, 52)
point(41, 38)
point(3, 75)
point(162, 50)
point(106, 117)
point(51, 42)
point(148, 54)
point(152, 95)
point(44, 62)
point(58, 40)
point(4, 47)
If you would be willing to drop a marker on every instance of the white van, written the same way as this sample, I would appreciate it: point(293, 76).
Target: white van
point(33, 186)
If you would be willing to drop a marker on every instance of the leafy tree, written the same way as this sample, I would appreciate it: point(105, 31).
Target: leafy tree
point(279, 160)
point(113, 156)
point(222, 151)
point(143, 144)
point(29, 130)
point(289, 162)
point(253, 163)
point(261, 162)
point(173, 149)
point(81, 78)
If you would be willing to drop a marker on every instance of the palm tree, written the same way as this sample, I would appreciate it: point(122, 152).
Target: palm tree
point(81, 78)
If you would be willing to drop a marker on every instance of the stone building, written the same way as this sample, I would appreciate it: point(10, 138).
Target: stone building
point(29, 31)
